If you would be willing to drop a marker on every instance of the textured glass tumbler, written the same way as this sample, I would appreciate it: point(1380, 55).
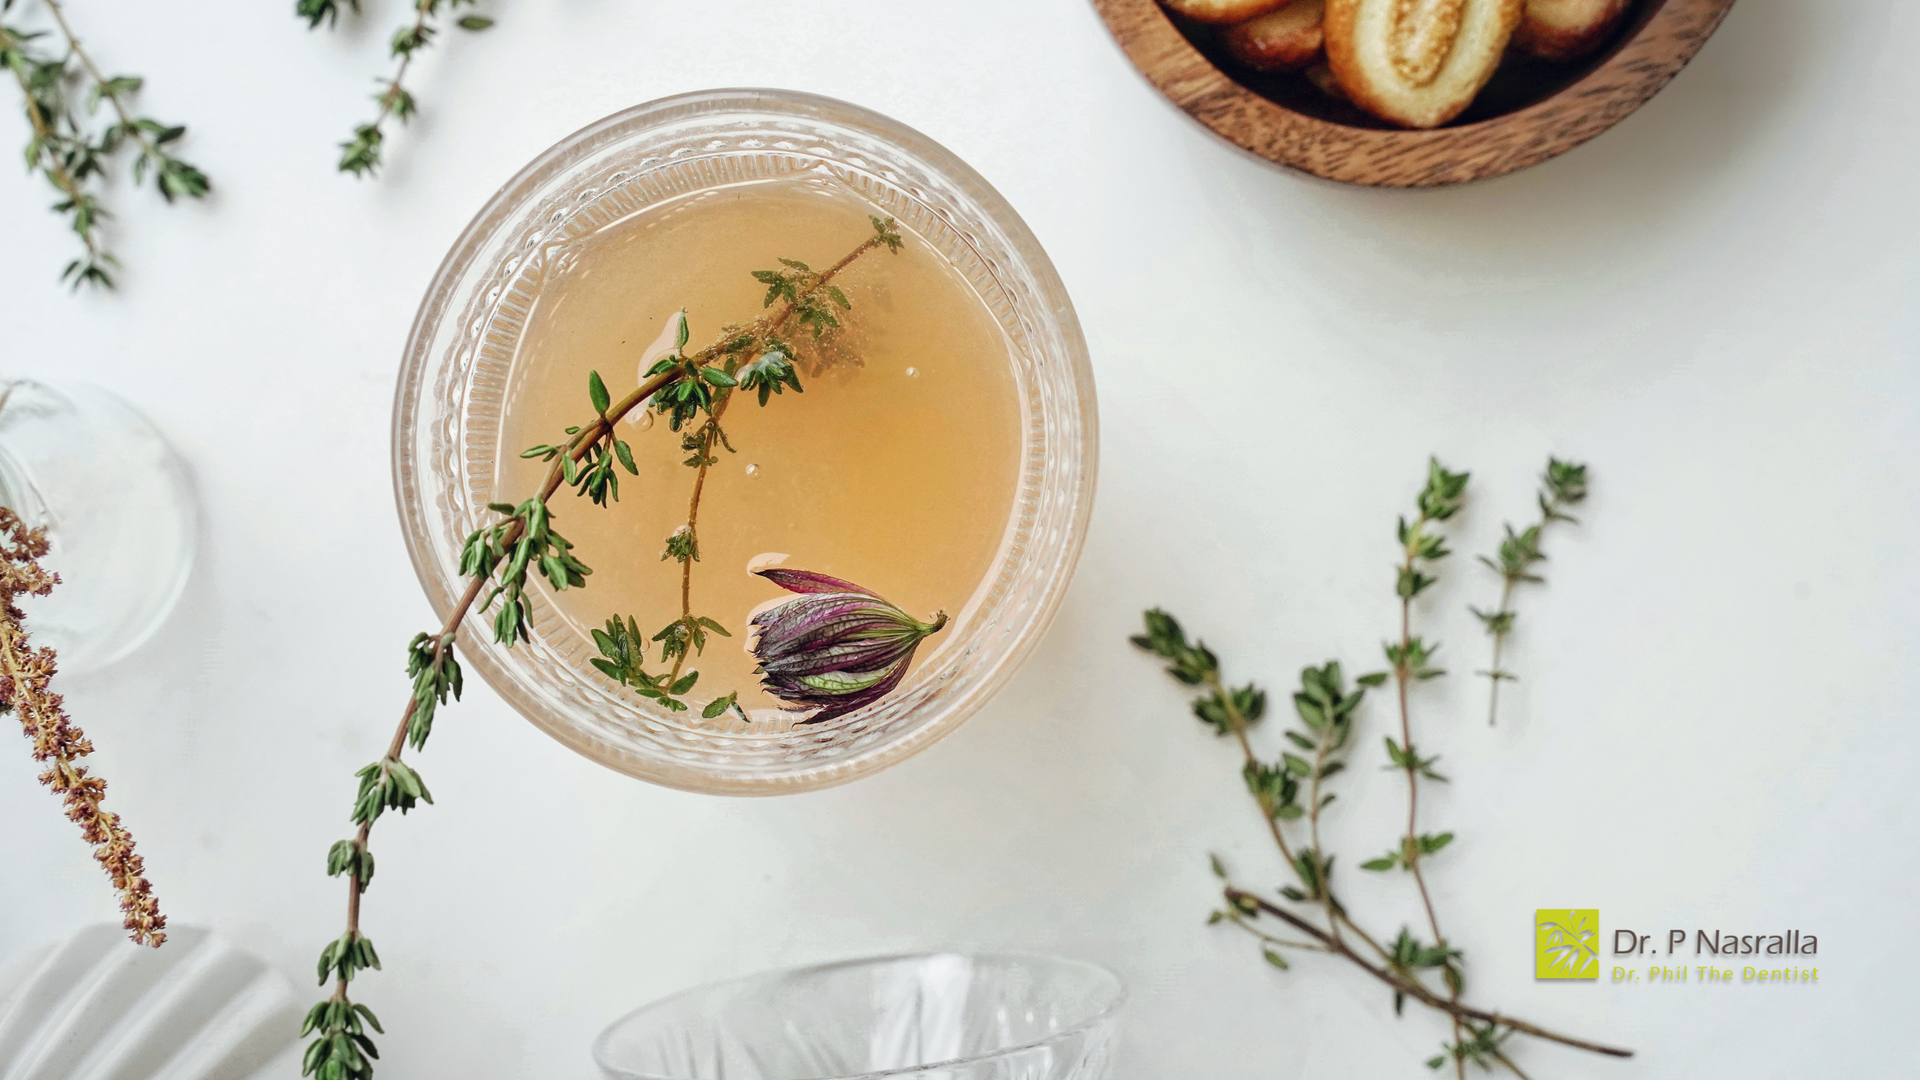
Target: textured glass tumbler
point(117, 506)
point(937, 1016)
point(447, 432)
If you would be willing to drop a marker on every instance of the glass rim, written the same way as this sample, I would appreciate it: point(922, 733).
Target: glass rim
point(1116, 1000)
point(477, 258)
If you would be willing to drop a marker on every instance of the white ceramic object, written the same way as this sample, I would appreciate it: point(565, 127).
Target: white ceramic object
point(98, 1007)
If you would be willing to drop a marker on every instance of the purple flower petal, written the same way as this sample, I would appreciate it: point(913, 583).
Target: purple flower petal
point(869, 655)
point(806, 581)
point(860, 700)
point(820, 620)
point(832, 629)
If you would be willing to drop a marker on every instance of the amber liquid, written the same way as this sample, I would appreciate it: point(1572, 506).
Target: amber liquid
point(895, 469)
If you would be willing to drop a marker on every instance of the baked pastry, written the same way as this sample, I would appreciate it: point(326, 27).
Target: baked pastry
point(1222, 11)
point(1417, 63)
point(1281, 40)
point(1564, 29)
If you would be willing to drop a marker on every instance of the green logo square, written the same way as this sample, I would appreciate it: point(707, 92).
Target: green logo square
point(1566, 943)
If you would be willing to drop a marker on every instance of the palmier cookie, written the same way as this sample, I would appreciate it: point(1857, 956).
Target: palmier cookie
point(1222, 11)
point(1279, 41)
point(1564, 29)
point(1417, 63)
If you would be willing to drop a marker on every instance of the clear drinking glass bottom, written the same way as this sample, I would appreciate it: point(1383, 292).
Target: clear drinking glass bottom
point(117, 506)
point(948, 1016)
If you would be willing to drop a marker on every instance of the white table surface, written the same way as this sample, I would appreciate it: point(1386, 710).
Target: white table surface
point(1714, 304)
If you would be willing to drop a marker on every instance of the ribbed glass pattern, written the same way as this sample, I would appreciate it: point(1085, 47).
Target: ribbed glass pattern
point(934, 1016)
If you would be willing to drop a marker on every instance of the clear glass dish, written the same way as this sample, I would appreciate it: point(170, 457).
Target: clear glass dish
point(119, 511)
point(939, 1015)
point(447, 422)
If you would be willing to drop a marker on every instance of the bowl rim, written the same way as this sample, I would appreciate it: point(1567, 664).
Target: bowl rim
point(1112, 1008)
point(440, 302)
point(1634, 71)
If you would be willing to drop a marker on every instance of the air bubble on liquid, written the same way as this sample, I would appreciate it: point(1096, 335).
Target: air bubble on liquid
point(644, 421)
point(913, 373)
point(765, 559)
point(753, 470)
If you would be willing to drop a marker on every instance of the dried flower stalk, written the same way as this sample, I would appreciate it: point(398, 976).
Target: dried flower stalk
point(25, 673)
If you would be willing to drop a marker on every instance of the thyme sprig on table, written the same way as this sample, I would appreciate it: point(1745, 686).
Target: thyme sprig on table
point(1564, 484)
point(26, 676)
point(74, 157)
point(361, 155)
point(498, 559)
point(1410, 658)
point(1422, 547)
point(1291, 794)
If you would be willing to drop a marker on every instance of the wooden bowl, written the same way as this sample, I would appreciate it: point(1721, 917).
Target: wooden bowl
point(1531, 111)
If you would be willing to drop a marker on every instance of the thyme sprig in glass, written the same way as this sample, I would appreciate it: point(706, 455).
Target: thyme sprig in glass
point(755, 359)
point(361, 155)
point(75, 157)
point(1564, 484)
point(499, 559)
point(1291, 794)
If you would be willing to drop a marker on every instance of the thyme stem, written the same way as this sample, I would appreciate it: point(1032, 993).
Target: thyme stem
point(1503, 1059)
point(390, 99)
point(1437, 502)
point(106, 85)
point(1320, 750)
point(47, 160)
point(1239, 723)
point(1499, 644)
point(710, 431)
point(1413, 988)
point(361, 154)
point(693, 517)
point(1336, 914)
point(70, 156)
point(338, 1019)
point(1563, 484)
point(1240, 921)
point(1402, 675)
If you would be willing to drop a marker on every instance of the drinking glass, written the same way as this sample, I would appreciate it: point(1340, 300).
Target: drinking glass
point(449, 405)
point(118, 509)
point(933, 1016)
